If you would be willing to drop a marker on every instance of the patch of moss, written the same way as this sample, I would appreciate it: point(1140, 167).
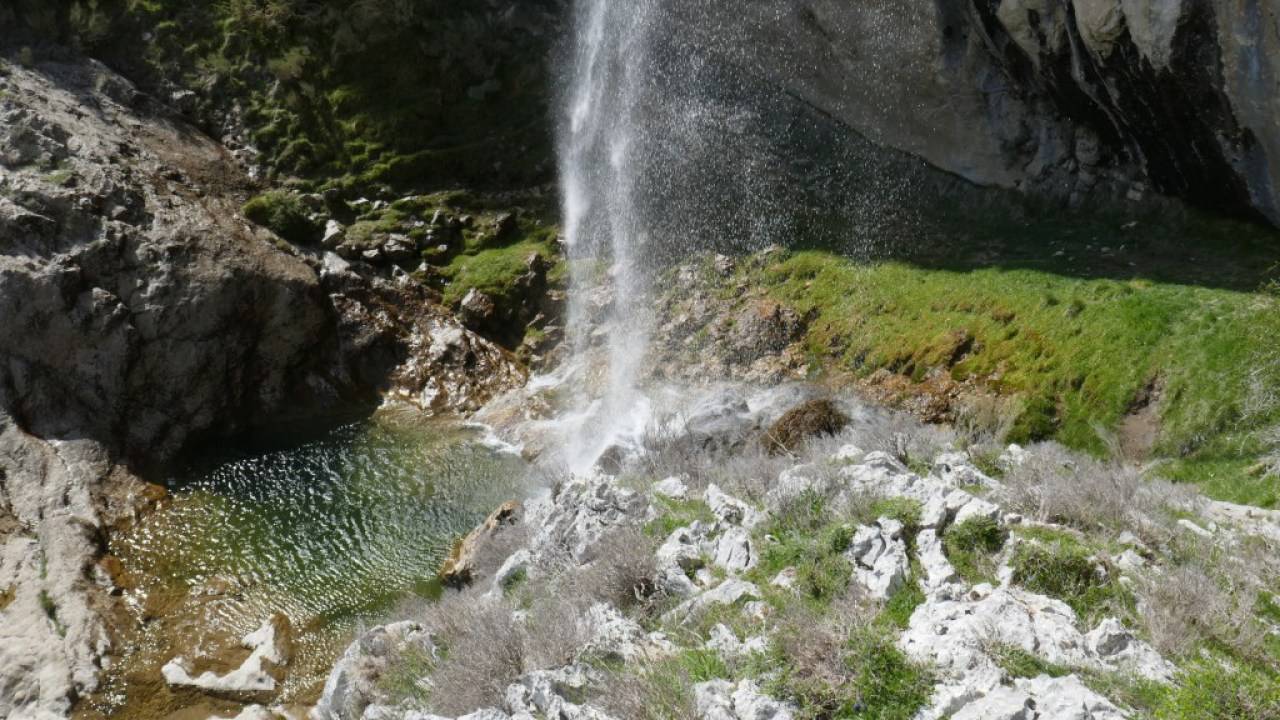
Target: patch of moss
point(283, 213)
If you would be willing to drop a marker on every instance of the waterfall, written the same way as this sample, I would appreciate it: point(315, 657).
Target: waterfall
point(601, 135)
point(673, 139)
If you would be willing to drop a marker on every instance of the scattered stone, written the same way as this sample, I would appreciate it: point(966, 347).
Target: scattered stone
point(730, 509)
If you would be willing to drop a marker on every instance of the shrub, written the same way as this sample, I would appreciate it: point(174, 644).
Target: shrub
point(661, 690)
point(1055, 485)
point(842, 666)
point(283, 213)
point(1186, 607)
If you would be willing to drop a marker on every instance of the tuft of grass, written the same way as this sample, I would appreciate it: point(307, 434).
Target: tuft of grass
point(402, 681)
point(1018, 663)
point(902, 604)
point(864, 675)
point(1215, 688)
point(807, 537)
point(970, 547)
point(1064, 568)
point(674, 514)
point(283, 213)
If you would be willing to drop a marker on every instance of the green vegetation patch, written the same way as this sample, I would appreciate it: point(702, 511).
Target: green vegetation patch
point(971, 547)
point(807, 537)
point(1081, 321)
point(284, 213)
point(869, 678)
point(1214, 688)
point(1058, 565)
point(674, 514)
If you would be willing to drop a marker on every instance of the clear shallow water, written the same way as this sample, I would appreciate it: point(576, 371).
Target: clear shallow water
point(334, 530)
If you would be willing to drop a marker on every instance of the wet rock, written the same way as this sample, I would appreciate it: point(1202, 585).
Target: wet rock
point(459, 568)
point(258, 677)
point(478, 310)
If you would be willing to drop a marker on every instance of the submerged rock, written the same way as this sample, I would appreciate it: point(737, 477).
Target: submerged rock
point(257, 677)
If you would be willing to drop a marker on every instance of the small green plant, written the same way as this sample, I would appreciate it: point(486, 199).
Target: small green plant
point(512, 582)
point(902, 603)
point(1066, 569)
point(403, 679)
point(674, 514)
point(283, 213)
point(702, 665)
point(51, 611)
point(970, 547)
point(1215, 688)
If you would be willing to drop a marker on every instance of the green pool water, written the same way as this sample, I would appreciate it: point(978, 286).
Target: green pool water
point(337, 530)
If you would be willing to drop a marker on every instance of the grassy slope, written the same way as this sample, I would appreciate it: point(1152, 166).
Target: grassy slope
point(1040, 311)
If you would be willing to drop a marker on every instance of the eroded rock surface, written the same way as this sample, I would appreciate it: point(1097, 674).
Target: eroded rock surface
point(141, 314)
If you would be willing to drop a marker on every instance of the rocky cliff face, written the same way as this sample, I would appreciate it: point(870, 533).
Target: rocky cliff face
point(1112, 98)
point(139, 314)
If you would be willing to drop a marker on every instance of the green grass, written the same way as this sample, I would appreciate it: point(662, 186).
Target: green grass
point(1213, 688)
point(1058, 565)
point(807, 537)
point(674, 514)
point(401, 680)
point(903, 602)
point(1018, 663)
point(1078, 338)
point(971, 545)
point(877, 682)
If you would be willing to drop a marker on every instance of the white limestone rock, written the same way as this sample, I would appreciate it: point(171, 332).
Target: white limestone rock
point(730, 509)
point(733, 550)
point(723, 700)
point(879, 555)
point(729, 592)
point(257, 675)
point(940, 578)
point(672, 487)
